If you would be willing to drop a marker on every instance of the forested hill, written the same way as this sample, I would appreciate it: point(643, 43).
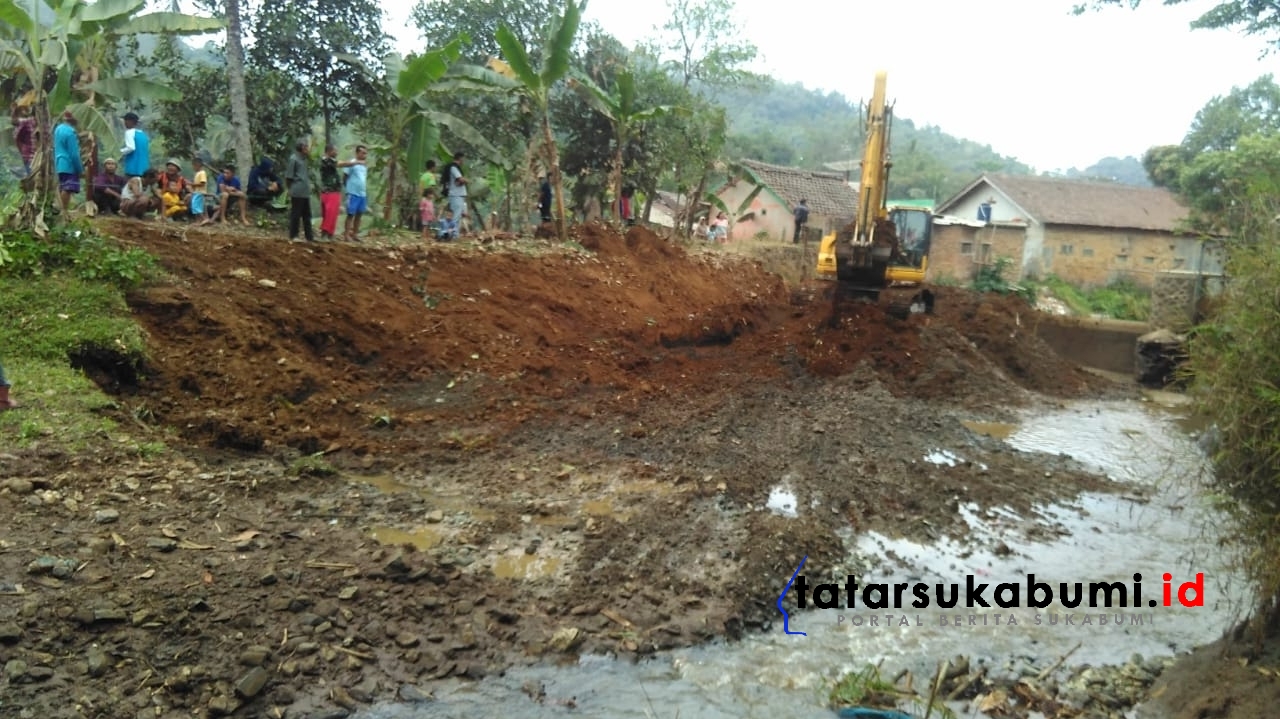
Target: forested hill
point(788, 124)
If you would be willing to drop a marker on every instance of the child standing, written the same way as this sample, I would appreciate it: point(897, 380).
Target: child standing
point(330, 192)
point(427, 209)
point(357, 186)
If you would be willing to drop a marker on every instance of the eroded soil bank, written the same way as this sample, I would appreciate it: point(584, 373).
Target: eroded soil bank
point(397, 463)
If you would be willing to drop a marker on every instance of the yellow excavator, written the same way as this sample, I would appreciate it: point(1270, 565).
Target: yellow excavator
point(884, 245)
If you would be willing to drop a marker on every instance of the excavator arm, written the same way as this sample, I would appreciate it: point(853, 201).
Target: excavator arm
point(858, 256)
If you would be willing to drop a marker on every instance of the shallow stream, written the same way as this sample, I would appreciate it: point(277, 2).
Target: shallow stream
point(1100, 538)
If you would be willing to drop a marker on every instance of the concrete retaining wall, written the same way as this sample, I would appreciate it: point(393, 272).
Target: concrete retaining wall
point(1104, 344)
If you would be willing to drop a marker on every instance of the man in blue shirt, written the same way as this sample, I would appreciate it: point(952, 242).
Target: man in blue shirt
point(357, 193)
point(448, 229)
point(137, 148)
point(66, 160)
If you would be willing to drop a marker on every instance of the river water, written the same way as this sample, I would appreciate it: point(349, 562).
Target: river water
point(1098, 538)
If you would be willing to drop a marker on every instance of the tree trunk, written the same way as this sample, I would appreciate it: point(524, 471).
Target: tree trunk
point(693, 204)
point(553, 159)
point(324, 109)
point(616, 182)
point(239, 98)
point(391, 184)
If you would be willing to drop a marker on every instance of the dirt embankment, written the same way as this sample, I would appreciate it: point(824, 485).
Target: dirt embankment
point(539, 451)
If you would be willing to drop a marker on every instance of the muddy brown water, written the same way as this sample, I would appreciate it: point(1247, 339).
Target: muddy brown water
point(1166, 526)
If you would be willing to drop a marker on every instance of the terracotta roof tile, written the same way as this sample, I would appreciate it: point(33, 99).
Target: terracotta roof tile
point(1058, 201)
point(827, 192)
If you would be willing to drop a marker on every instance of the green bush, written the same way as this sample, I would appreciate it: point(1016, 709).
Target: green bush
point(78, 251)
point(1121, 300)
point(991, 278)
point(1235, 361)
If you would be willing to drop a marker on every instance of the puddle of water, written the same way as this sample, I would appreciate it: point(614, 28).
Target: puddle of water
point(446, 502)
point(782, 501)
point(773, 674)
point(525, 566)
point(996, 430)
point(422, 538)
point(942, 457)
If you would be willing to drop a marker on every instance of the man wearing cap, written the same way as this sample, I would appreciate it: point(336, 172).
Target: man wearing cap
point(137, 148)
point(174, 189)
point(107, 187)
point(66, 160)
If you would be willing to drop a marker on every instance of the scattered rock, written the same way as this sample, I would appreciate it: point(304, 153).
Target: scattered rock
point(254, 656)
point(20, 486)
point(15, 669)
point(435, 516)
point(162, 544)
point(98, 662)
point(10, 633)
point(412, 694)
point(106, 516)
point(250, 684)
point(60, 567)
point(348, 592)
point(406, 640)
point(342, 697)
point(222, 706)
point(565, 639)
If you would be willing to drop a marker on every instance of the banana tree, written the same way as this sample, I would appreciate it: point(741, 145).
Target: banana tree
point(536, 85)
point(620, 107)
point(55, 55)
point(408, 84)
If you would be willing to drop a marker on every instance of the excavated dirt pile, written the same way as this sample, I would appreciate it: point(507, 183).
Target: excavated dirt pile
point(258, 341)
point(391, 464)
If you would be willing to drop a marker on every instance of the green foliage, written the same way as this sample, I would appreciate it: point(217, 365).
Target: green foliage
point(1252, 17)
point(1235, 360)
point(312, 465)
point(991, 278)
point(701, 45)
point(1121, 300)
point(77, 251)
point(302, 40)
point(866, 688)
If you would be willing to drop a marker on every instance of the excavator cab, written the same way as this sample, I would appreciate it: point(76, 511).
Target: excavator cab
point(914, 226)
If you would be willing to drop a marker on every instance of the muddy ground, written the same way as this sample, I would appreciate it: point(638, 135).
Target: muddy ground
point(392, 463)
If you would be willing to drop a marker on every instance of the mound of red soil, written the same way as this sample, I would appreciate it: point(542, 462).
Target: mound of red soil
point(256, 340)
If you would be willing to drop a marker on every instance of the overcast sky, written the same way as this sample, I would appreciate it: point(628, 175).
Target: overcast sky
point(1024, 76)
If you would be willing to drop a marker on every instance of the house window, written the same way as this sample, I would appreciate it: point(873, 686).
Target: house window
point(1087, 252)
point(1066, 249)
point(966, 248)
point(1122, 259)
point(1148, 260)
point(986, 252)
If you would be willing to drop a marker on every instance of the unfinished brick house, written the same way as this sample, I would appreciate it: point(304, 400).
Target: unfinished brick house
point(831, 200)
point(1088, 233)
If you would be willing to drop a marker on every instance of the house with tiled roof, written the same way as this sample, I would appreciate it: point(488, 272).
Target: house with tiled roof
point(1089, 233)
point(831, 201)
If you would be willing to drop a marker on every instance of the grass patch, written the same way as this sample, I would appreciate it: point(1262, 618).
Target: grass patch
point(312, 465)
point(60, 297)
point(1121, 300)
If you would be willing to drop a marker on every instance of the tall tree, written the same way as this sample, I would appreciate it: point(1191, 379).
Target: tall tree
point(411, 125)
point(703, 45)
point(442, 20)
point(622, 107)
point(237, 94)
point(536, 84)
point(1253, 109)
point(303, 38)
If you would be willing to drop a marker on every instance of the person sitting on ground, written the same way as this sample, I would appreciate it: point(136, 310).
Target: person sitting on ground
point(448, 229)
point(427, 212)
point(702, 231)
point(264, 184)
point(229, 189)
point(719, 229)
point(174, 190)
point(107, 187)
point(140, 195)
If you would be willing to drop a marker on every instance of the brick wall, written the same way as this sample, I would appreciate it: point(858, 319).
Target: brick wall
point(959, 251)
point(1094, 257)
